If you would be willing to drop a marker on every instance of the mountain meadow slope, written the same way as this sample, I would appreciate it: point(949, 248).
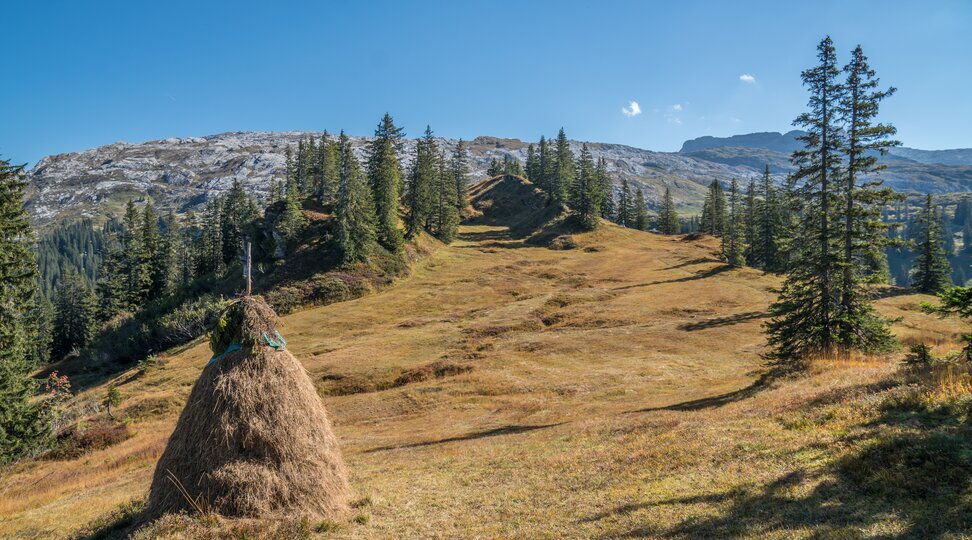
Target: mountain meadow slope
point(611, 389)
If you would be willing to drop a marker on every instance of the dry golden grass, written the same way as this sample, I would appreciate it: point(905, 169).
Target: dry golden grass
point(610, 392)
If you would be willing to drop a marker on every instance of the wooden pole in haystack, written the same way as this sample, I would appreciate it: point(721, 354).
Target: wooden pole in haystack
point(247, 273)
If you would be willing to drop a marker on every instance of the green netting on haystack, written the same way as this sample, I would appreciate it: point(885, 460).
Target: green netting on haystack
point(246, 322)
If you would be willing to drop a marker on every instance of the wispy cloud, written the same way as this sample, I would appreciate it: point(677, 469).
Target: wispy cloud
point(633, 109)
point(677, 107)
point(747, 78)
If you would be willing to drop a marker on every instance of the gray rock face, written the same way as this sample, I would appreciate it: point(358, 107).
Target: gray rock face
point(182, 173)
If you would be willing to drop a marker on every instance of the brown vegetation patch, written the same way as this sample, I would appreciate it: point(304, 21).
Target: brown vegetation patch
point(435, 370)
point(153, 407)
point(87, 437)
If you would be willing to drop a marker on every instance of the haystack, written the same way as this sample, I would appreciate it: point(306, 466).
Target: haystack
point(254, 439)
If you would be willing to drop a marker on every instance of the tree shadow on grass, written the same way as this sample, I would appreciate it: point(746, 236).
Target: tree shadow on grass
point(698, 275)
point(495, 432)
point(907, 473)
point(761, 383)
point(724, 321)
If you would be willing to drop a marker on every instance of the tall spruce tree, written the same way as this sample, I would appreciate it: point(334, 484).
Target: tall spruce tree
point(355, 211)
point(608, 206)
point(640, 210)
point(532, 164)
point(75, 313)
point(291, 221)
point(138, 277)
point(811, 315)
point(545, 165)
point(733, 239)
point(766, 250)
point(931, 272)
point(668, 222)
point(111, 280)
point(714, 210)
point(586, 191)
point(625, 218)
point(22, 420)
point(421, 183)
point(385, 178)
point(459, 170)
point(445, 211)
point(865, 233)
point(562, 181)
point(751, 221)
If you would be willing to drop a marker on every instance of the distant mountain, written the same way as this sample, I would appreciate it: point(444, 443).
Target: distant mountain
point(182, 173)
point(908, 170)
point(767, 140)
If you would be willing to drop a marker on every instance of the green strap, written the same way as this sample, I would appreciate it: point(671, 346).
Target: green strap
point(278, 344)
point(232, 348)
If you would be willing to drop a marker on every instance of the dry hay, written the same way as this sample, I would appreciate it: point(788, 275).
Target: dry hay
point(254, 439)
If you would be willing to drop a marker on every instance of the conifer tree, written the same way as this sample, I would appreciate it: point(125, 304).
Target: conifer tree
point(138, 277)
point(811, 315)
point(931, 272)
point(564, 174)
point(445, 213)
point(608, 206)
point(531, 163)
point(111, 279)
point(75, 307)
point(385, 179)
point(714, 210)
point(586, 192)
point(22, 422)
point(459, 170)
point(624, 216)
point(421, 182)
point(640, 210)
point(733, 240)
point(751, 221)
point(766, 252)
point(545, 165)
point(330, 170)
point(865, 234)
point(237, 212)
point(209, 259)
point(668, 222)
point(355, 211)
point(291, 221)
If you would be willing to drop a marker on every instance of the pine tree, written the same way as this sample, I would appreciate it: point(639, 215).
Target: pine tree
point(330, 170)
point(811, 315)
point(608, 206)
point(586, 192)
point(766, 251)
point(640, 210)
point(385, 179)
point(22, 421)
point(625, 217)
point(865, 234)
point(138, 277)
point(668, 222)
point(714, 210)
point(421, 182)
point(751, 222)
point(111, 281)
point(291, 221)
point(545, 168)
point(931, 272)
point(563, 179)
point(154, 259)
point(237, 213)
point(75, 307)
point(355, 211)
point(209, 259)
point(459, 170)
point(532, 164)
point(445, 213)
point(733, 240)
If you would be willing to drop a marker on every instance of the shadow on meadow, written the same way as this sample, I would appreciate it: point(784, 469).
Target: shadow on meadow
point(906, 473)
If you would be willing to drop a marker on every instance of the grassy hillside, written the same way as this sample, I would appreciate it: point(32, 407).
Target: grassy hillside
point(611, 390)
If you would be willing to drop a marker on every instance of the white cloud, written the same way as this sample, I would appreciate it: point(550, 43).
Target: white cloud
point(747, 78)
point(677, 107)
point(633, 109)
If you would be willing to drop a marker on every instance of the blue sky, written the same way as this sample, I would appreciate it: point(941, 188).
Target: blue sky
point(82, 74)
